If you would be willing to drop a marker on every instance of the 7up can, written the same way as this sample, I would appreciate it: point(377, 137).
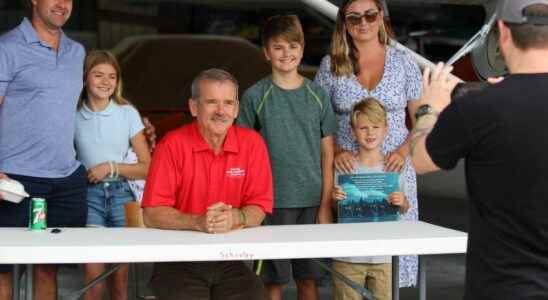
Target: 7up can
point(38, 212)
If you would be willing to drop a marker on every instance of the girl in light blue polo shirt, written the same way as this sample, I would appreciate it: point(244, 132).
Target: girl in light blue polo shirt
point(107, 125)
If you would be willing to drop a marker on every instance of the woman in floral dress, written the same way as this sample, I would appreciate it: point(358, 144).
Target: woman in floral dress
point(362, 64)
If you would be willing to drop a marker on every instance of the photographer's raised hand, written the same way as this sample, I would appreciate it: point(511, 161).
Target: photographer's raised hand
point(437, 85)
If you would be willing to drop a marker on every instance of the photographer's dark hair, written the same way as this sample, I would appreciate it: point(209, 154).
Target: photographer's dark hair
point(529, 36)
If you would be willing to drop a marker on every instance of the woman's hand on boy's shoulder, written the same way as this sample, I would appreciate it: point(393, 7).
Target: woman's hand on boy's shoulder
point(394, 162)
point(345, 161)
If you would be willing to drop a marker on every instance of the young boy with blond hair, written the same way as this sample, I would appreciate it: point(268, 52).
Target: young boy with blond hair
point(296, 119)
point(369, 126)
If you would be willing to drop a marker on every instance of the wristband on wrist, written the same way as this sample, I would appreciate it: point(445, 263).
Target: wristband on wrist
point(424, 110)
point(243, 218)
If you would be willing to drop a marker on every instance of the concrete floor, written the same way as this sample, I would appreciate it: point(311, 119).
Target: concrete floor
point(445, 273)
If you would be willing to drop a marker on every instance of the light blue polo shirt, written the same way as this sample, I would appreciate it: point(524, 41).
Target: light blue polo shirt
point(41, 89)
point(105, 135)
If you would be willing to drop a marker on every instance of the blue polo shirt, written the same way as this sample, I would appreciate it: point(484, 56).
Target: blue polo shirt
point(105, 135)
point(41, 87)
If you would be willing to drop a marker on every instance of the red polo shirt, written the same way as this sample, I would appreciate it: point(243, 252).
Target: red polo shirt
point(187, 175)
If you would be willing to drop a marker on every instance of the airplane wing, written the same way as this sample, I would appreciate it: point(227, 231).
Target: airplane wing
point(455, 2)
point(483, 46)
point(484, 58)
point(217, 2)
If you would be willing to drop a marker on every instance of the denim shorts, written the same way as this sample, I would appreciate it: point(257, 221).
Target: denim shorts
point(106, 202)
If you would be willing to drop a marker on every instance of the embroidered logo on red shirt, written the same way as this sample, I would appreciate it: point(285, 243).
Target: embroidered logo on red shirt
point(235, 172)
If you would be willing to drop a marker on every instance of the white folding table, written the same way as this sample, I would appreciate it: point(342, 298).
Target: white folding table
point(130, 245)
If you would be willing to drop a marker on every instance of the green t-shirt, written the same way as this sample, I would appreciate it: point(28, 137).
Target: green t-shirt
point(292, 122)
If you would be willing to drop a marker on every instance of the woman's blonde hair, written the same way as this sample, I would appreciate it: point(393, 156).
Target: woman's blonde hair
point(98, 57)
point(344, 60)
point(371, 108)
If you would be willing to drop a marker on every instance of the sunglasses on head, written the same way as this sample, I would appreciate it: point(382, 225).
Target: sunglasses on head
point(353, 18)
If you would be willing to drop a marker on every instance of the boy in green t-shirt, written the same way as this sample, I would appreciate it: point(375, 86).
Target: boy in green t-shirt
point(296, 119)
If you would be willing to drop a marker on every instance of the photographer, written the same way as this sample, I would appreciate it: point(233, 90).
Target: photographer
point(500, 132)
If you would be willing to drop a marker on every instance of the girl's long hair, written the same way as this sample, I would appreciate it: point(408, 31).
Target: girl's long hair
point(344, 60)
point(98, 57)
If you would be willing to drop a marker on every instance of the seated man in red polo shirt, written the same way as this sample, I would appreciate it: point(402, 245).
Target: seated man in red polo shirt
point(209, 176)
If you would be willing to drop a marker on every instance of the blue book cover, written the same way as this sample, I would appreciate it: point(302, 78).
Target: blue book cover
point(367, 197)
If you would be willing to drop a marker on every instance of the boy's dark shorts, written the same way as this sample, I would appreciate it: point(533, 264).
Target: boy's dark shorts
point(279, 271)
point(65, 198)
point(215, 280)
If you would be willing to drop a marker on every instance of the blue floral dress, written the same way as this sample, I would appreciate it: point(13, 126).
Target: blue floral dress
point(400, 83)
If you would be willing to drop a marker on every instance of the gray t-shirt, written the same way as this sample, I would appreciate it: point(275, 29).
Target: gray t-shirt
point(292, 122)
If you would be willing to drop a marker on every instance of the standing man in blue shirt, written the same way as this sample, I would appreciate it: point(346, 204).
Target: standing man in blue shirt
point(40, 81)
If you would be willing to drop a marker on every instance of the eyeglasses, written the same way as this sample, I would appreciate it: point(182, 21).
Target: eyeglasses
point(354, 19)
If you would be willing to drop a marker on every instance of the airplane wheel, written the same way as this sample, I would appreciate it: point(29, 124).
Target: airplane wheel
point(487, 58)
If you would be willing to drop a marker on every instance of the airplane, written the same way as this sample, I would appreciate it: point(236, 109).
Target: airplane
point(486, 57)
point(477, 59)
point(157, 69)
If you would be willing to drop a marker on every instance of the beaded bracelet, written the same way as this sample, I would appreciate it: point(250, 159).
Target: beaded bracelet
point(117, 173)
point(111, 174)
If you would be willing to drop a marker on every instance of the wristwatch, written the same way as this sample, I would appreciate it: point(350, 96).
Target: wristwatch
point(425, 109)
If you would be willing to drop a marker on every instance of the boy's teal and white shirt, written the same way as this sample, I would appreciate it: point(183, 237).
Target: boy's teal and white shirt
point(292, 122)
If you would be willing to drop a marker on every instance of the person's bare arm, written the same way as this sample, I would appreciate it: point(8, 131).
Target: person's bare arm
point(1, 99)
point(216, 220)
point(223, 218)
point(247, 216)
point(395, 161)
point(437, 85)
point(343, 160)
point(258, 192)
point(164, 217)
point(421, 159)
point(137, 170)
point(327, 146)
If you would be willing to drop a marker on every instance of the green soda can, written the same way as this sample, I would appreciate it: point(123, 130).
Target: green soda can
point(38, 214)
